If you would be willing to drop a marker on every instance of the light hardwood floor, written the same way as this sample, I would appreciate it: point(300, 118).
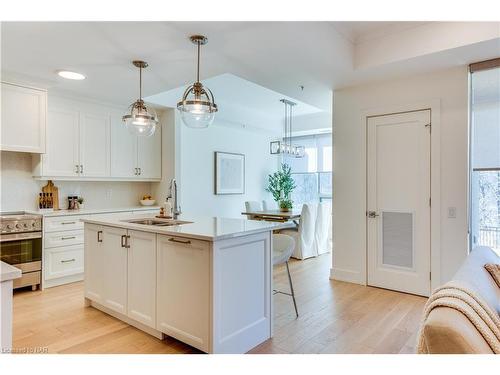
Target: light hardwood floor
point(335, 317)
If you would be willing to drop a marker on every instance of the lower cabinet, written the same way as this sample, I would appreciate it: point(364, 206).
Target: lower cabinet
point(120, 271)
point(183, 290)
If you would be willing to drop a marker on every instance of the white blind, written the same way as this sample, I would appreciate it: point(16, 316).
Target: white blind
point(485, 117)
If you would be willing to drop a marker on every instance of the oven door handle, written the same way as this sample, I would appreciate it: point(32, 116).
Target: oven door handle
point(20, 236)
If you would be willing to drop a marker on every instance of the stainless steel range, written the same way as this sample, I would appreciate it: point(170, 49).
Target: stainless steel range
point(21, 246)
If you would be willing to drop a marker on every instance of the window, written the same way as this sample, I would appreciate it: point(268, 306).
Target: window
point(485, 158)
point(313, 172)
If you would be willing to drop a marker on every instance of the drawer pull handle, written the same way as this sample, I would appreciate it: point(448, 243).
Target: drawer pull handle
point(68, 222)
point(68, 238)
point(187, 242)
point(68, 260)
point(125, 242)
point(99, 238)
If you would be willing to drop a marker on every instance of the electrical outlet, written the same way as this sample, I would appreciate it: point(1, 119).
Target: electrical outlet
point(452, 212)
point(109, 193)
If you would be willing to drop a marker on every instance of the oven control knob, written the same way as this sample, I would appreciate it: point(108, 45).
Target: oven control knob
point(25, 225)
point(18, 226)
point(9, 227)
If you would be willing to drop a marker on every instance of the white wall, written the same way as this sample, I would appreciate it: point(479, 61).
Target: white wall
point(450, 86)
point(19, 191)
point(195, 171)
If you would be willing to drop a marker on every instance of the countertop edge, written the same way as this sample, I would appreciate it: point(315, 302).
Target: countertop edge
point(166, 232)
point(9, 272)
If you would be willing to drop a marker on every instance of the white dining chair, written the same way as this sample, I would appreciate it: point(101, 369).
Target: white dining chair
point(304, 236)
point(269, 205)
point(322, 229)
point(283, 247)
point(252, 206)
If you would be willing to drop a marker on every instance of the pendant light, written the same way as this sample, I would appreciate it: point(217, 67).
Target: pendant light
point(286, 146)
point(141, 120)
point(197, 107)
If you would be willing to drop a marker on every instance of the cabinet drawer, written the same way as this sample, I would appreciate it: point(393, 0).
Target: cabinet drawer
point(67, 238)
point(63, 261)
point(59, 223)
point(182, 242)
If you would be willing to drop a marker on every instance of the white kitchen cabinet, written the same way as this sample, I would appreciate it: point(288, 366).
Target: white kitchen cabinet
point(62, 157)
point(141, 280)
point(23, 118)
point(123, 150)
point(95, 268)
point(149, 155)
point(114, 257)
point(94, 145)
point(183, 295)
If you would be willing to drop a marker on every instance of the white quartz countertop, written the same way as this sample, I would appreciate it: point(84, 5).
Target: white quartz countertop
point(8, 272)
point(203, 228)
point(91, 211)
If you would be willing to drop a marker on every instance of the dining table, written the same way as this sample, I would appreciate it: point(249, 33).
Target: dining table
point(274, 215)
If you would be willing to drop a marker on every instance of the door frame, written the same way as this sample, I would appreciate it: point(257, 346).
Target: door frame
point(434, 106)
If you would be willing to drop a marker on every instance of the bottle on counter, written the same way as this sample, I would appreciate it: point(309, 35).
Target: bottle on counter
point(44, 200)
point(51, 201)
point(168, 208)
point(40, 205)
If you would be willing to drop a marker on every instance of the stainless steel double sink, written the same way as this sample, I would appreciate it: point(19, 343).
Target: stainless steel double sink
point(158, 222)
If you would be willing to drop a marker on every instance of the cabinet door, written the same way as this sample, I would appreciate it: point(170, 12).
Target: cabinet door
point(141, 305)
point(123, 150)
point(183, 290)
point(94, 145)
point(61, 158)
point(23, 119)
point(95, 266)
point(149, 155)
point(114, 271)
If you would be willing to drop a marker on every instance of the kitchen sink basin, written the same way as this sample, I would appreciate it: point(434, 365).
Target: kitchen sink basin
point(158, 222)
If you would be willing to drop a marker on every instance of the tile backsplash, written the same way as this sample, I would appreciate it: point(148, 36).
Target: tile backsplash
point(19, 190)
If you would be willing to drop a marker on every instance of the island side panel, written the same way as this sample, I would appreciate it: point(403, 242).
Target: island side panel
point(242, 283)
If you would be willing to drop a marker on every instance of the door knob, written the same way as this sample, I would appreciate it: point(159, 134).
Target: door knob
point(372, 214)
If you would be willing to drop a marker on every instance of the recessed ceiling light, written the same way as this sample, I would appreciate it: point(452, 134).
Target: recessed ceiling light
point(70, 75)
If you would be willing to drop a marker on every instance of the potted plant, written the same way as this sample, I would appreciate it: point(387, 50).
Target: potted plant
point(80, 203)
point(281, 185)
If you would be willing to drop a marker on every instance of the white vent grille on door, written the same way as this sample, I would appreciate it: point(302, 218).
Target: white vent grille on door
point(397, 239)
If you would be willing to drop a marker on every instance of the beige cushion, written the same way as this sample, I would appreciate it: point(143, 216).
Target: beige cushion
point(494, 270)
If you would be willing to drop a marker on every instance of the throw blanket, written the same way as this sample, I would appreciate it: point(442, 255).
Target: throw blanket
point(458, 297)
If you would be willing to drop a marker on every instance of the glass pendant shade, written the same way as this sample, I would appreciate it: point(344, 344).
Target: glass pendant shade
point(197, 106)
point(141, 121)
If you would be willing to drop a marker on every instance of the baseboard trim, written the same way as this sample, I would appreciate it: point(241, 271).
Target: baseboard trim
point(348, 276)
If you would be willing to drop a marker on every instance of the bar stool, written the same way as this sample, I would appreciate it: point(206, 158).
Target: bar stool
point(283, 247)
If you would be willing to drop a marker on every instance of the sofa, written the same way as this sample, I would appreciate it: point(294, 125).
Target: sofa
point(446, 330)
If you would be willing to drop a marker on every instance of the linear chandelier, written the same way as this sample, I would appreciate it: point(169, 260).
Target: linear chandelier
point(286, 146)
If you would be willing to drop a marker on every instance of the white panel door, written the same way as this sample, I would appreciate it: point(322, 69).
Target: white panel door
point(95, 266)
point(23, 119)
point(142, 277)
point(183, 295)
point(115, 265)
point(398, 206)
point(123, 150)
point(149, 155)
point(94, 145)
point(62, 157)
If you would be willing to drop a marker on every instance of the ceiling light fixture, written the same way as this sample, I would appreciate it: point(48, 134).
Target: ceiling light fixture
point(142, 120)
point(286, 146)
point(197, 106)
point(70, 75)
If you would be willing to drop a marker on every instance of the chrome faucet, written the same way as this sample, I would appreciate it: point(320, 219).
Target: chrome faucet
point(173, 195)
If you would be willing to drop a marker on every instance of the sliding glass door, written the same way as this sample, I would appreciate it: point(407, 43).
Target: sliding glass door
point(485, 156)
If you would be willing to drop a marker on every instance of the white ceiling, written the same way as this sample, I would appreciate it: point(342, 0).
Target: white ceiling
point(279, 56)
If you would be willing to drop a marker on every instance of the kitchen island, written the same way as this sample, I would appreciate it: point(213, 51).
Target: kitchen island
point(205, 281)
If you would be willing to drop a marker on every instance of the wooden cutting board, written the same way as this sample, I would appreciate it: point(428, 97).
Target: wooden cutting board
point(51, 188)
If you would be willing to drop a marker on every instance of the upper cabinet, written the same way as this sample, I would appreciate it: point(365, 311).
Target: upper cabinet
point(23, 118)
point(88, 141)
